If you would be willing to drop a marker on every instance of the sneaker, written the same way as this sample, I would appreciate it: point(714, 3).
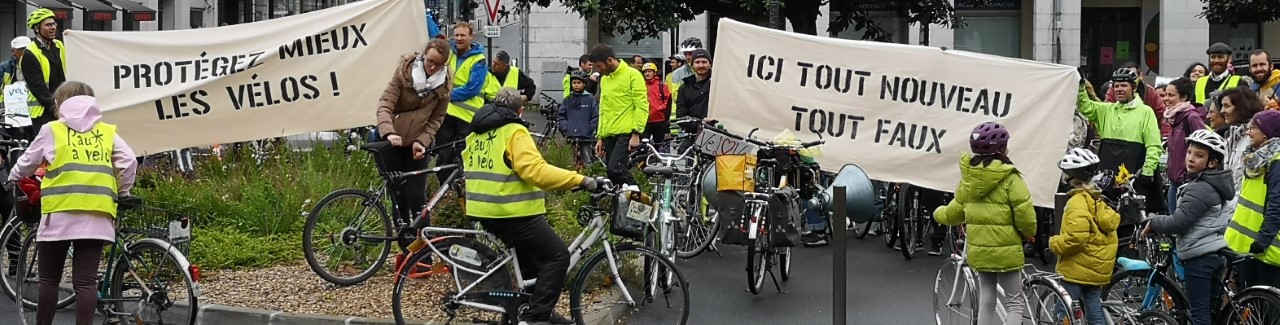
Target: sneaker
point(558, 319)
point(530, 322)
point(936, 251)
point(814, 239)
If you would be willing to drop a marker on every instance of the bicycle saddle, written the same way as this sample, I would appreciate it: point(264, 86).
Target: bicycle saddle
point(1233, 257)
point(1132, 264)
point(659, 170)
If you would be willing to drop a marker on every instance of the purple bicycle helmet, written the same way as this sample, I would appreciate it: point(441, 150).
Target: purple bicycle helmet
point(989, 138)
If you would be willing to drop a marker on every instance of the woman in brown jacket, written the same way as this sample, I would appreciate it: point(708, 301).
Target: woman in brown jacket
point(409, 113)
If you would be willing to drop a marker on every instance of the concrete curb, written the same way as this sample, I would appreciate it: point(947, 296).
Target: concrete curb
point(231, 315)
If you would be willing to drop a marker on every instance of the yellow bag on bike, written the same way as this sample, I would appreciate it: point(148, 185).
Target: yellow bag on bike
point(735, 173)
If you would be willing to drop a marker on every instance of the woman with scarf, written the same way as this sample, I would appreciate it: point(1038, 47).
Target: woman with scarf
point(409, 114)
point(1184, 117)
point(1256, 219)
point(1238, 106)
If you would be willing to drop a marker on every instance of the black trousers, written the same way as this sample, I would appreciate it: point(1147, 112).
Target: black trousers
point(539, 249)
point(452, 129)
point(1257, 272)
point(411, 192)
point(657, 132)
point(84, 272)
point(617, 155)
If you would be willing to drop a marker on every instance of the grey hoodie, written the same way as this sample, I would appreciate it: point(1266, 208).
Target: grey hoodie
point(1199, 221)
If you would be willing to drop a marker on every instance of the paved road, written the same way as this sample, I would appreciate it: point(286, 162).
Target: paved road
point(883, 288)
point(9, 313)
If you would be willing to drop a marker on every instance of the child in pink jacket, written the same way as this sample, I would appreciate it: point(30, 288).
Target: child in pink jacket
point(87, 231)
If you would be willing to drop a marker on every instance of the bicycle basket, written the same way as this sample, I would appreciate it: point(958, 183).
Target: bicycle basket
point(149, 220)
point(631, 217)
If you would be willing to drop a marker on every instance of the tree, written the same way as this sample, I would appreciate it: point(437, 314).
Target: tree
point(1235, 12)
point(637, 18)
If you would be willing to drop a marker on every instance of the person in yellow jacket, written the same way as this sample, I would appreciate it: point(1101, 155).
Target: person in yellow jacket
point(1256, 220)
point(470, 71)
point(505, 178)
point(1220, 75)
point(43, 65)
point(1086, 246)
point(624, 112)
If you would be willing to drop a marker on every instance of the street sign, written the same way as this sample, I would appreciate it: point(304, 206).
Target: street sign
point(492, 6)
point(492, 31)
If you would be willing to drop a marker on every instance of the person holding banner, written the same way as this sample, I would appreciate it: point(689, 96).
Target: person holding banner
point(410, 113)
point(470, 71)
point(624, 110)
point(1130, 135)
point(994, 203)
point(43, 66)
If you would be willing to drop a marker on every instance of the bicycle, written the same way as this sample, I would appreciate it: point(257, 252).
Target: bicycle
point(490, 280)
point(763, 253)
point(955, 295)
point(552, 127)
point(701, 220)
point(663, 170)
point(131, 284)
point(357, 248)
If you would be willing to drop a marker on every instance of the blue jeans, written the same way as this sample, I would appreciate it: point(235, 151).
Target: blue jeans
point(1173, 196)
point(1090, 298)
point(812, 218)
point(1202, 287)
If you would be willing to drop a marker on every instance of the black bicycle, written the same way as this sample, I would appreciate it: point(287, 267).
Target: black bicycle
point(348, 235)
point(549, 109)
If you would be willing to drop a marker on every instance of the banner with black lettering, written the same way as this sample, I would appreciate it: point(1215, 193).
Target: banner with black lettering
point(318, 71)
point(903, 113)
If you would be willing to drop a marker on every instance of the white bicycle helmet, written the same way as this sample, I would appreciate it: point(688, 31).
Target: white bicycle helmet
point(1078, 158)
point(1209, 139)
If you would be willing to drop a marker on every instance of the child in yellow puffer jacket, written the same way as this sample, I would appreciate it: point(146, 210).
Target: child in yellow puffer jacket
point(1086, 246)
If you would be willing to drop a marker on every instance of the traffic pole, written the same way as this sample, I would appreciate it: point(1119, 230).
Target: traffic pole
point(838, 249)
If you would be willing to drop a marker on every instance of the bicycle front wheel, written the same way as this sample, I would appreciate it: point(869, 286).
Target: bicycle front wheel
point(909, 224)
point(347, 237)
point(701, 221)
point(955, 296)
point(152, 284)
point(617, 286)
point(1130, 288)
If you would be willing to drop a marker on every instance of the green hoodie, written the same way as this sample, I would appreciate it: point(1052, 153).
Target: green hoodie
point(991, 201)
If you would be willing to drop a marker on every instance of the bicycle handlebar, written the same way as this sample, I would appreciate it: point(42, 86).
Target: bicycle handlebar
point(13, 143)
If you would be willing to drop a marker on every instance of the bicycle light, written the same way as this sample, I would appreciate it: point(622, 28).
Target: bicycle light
point(195, 272)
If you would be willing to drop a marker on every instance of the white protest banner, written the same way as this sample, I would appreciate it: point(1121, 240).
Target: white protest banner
point(318, 71)
point(903, 113)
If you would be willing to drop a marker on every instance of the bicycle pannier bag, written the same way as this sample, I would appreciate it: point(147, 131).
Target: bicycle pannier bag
point(735, 173)
point(784, 214)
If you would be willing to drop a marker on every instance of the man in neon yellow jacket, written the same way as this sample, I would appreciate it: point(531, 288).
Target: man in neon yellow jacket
point(470, 71)
point(624, 111)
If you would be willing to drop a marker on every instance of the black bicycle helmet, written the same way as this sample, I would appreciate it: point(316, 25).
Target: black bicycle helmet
point(579, 74)
point(690, 44)
point(1124, 75)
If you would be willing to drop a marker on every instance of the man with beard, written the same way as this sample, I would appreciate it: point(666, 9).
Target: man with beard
point(1220, 76)
point(624, 109)
point(1266, 80)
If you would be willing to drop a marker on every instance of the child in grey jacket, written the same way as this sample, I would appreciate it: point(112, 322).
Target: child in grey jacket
point(1199, 221)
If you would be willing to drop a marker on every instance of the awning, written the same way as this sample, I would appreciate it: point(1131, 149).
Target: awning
point(96, 10)
point(138, 11)
point(60, 10)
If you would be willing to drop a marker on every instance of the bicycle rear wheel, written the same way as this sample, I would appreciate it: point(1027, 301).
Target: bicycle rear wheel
point(347, 237)
point(1049, 303)
point(152, 284)
point(19, 246)
point(1253, 306)
point(599, 295)
point(955, 296)
point(757, 258)
point(1130, 288)
point(418, 282)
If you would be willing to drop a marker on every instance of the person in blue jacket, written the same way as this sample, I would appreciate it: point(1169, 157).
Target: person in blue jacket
point(578, 117)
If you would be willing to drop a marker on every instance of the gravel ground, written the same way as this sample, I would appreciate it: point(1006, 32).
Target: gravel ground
point(295, 289)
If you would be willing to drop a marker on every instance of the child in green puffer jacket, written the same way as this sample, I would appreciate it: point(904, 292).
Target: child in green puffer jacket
point(993, 202)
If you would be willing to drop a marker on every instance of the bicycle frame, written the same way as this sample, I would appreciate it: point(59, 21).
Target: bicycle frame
point(590, 235)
